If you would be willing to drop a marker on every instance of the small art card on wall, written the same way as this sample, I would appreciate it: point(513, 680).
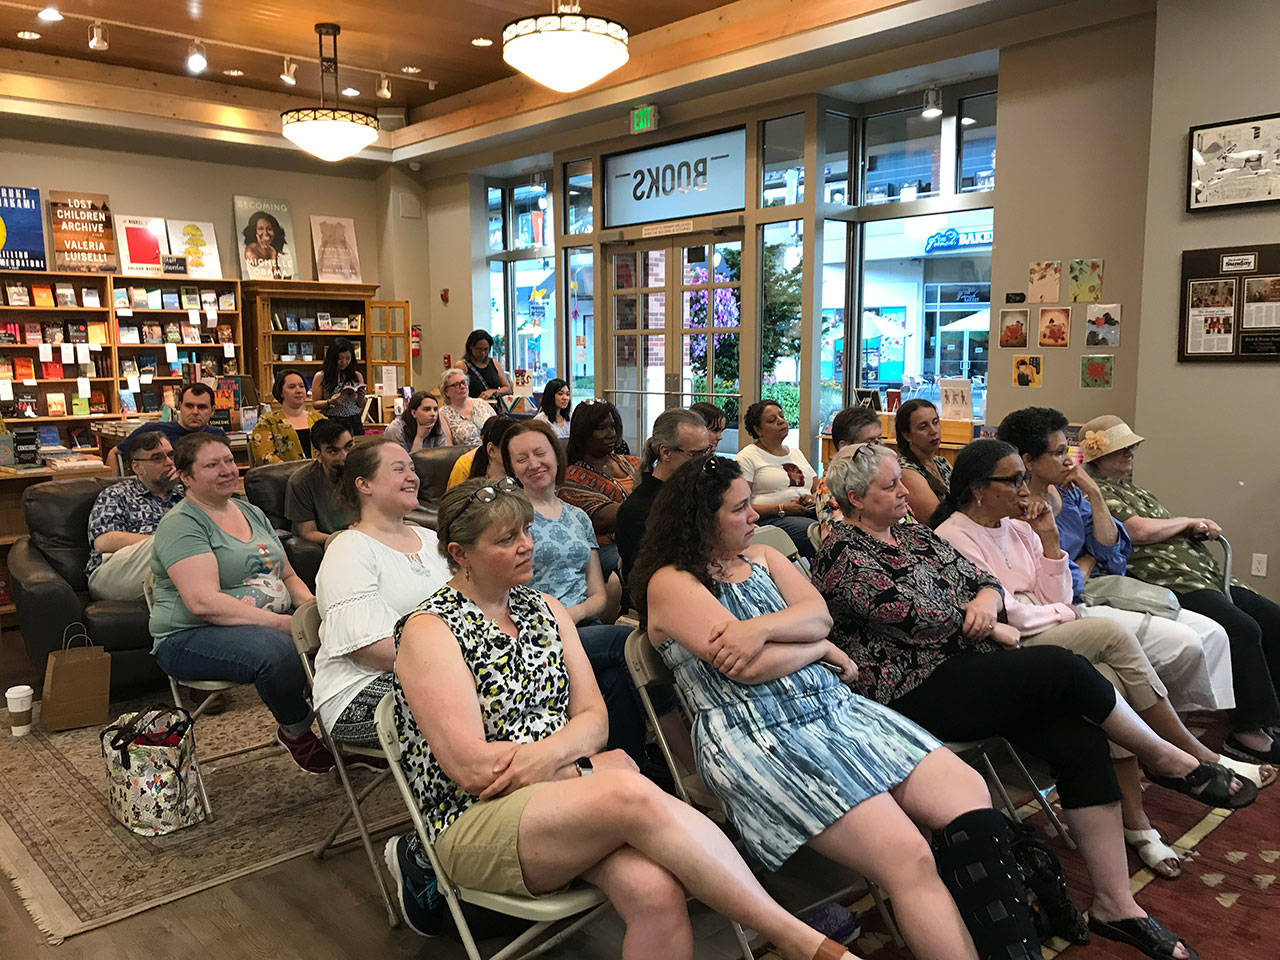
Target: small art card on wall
point(1102, 325)
point(1055, 326)
point(1084, 281)
point(1044, 280)
point(1013, 327)
point(334, 240)
point(264, 234)
point(1096, 371)
point(1027, 370)
point(142, 241)
point(195, 240)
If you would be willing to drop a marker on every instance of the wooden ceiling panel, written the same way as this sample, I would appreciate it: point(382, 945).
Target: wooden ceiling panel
point(378, 36)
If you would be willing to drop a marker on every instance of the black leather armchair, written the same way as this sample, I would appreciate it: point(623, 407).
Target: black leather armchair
point(264, 487)
point(51, 591)
point(433, 466)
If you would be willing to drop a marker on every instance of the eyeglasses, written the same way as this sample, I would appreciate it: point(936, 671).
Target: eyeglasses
point(156, 459)
point(714, 463)
point(1014, 482)
point(694, 454)
point(489, 493)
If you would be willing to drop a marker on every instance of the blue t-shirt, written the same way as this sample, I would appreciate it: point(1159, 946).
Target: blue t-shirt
point(561, 551)
point(1075, 536)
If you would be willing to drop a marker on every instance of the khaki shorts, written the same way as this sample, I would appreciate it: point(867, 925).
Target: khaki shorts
point(481, 848)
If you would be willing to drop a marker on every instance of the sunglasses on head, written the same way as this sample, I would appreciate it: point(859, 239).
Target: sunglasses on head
point(489, 493)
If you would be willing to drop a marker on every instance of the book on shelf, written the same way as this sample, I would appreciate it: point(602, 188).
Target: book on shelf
point(42, 295)
point(323, 321)
point(138, 298)
point(17, 294)
point(354, 321)
point(51, 370)
point(155, 301)
point(89, 369)
point(231, 366)
point(210, 368)
point(120, 298)
point(306, 324)
point(24, 368)
point(89, 297)
point(80, 406)
point(339, 323)
point(97, 401)
point(129, 333)
point(190, 298)
point(80, 437)
point(147, 364)
point(26, 403)
point(209, 298)
point(169, 396)
point(65, 294)
point(49, 436)
point(221, 418)
point(190, 333)
point(227, 395)
point(128, 367)
point(151, 333)
point(52, 331)
point(127, 403)
point(150, 402)
point(31, 332)
point(98, 332)
point(169, 299)
point(10, 330)
point(77, 331)
point(227, 300)
point(276, 322)
point(6, 368)
point(56, 403)
point(291, 321)
point(172, 332)
point(224, 333)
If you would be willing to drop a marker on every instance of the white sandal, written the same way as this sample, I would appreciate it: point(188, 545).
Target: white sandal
point(1153, 851)
point(1250, 771)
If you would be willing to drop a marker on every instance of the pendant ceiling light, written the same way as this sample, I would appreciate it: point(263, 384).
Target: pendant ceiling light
point(330, 133)
point(565, 50)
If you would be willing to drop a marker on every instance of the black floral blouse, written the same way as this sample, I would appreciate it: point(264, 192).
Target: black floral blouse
point(898, 610)
point(522, 684)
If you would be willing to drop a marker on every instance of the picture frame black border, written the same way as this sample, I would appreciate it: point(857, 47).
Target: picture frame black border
point(1190, 173)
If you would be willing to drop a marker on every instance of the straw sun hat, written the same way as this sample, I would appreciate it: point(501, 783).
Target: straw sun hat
point(1105, 434)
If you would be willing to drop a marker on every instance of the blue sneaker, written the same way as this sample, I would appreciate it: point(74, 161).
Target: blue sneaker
point(420, 902)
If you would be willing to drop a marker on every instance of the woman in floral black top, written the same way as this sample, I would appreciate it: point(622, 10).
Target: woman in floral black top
point(502, 730)
point(922, 624)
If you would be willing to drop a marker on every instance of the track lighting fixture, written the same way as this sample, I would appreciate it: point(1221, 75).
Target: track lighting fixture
point(384, 88)
point(98, 38)
point(932, 104)
point(196, 60)
point(289, 73)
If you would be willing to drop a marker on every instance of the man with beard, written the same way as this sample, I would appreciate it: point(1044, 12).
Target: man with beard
point(311, 500)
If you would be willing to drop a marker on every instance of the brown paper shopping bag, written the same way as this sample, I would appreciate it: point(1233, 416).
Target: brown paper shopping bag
point(77, 683)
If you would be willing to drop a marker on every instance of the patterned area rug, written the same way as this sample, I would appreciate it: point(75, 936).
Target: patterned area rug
point(76, 868)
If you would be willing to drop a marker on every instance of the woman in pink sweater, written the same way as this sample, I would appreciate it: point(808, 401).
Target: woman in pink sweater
point(991, 519)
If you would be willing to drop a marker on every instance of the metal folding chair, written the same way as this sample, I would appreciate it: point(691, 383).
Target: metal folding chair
point(781, 541)
point(306, 638)
point(968, 749)
point(568, 911)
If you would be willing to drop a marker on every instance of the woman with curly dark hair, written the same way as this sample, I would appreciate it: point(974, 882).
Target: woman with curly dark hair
point(793, 754)
point(339, 386)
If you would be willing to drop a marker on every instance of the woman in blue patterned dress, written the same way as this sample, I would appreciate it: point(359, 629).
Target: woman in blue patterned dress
point(501, 731)
point(793, 754)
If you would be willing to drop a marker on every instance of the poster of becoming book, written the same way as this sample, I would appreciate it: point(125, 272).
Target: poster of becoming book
point(82, 231)
point(265, 239)
point(143, 242)
point(21, 229)
point(195, 240)
point(334, 239)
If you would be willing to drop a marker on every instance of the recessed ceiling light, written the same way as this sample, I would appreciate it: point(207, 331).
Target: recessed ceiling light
point(481, 42)
point(350, 92)
point(28, 35)
point(49, 15)
point(410, 69)
point(233, 73)
point(288, 74)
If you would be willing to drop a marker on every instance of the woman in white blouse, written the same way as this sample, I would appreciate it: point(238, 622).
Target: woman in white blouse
point(782, 482)
point(373, 573)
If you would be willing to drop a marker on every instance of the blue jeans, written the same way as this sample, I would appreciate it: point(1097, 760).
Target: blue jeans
point(243, 654)
point(605, 645)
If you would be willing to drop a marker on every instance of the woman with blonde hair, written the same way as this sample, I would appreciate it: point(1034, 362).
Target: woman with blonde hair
point(463, 415)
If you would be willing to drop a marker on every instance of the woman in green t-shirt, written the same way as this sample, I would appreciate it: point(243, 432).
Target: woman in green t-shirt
point(1170, 551)
point(223, 595)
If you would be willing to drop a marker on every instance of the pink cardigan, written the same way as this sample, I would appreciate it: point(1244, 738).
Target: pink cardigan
point(1037, 589)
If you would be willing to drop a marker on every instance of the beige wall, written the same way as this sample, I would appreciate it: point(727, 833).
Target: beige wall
point(402, 249)
point(1213, 445)
point(146, 185)
point(1071, 142)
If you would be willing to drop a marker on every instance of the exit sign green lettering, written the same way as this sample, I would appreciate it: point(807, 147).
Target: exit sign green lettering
point(644, 119)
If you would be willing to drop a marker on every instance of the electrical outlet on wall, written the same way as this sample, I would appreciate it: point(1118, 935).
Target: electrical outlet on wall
point(1259, 566)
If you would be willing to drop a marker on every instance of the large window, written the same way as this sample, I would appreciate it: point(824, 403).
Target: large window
point(835, 245)
point(580, 299)
point(926, 299)
point(782, 166)
point(781, 313)
point(977, 148)
point(579, 215)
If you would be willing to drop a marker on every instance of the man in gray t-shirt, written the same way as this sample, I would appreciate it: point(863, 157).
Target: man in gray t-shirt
point(311, 499)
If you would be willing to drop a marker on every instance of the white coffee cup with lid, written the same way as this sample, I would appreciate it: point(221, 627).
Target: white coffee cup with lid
point(19, 702)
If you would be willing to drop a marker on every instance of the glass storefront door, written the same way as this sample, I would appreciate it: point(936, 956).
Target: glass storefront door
point(675, 323)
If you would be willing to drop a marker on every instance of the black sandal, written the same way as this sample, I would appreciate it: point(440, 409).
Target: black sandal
point(1216, 781)
point(1238, 751)
point(1145, 934)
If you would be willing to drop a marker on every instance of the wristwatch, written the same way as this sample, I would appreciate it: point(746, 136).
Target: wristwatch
point(782, 511)
point(584, 766)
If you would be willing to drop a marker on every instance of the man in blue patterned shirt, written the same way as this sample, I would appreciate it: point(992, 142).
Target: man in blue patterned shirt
point(125, 516)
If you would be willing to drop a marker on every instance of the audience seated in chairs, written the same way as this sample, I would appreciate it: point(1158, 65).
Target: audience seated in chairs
point(501, 728)
point(566, 566)
point(782, 481)
point(678, 436)
point(926, 475)
point(285, 434)
point(984, 513)
point(223, 595)
point(125, 516)
point(420, 426)
point(1170, 551)
point(312, 499)
point(463, 414)
point(598, 479)
point(195, 408)
point(921, 623)
point(794, 756)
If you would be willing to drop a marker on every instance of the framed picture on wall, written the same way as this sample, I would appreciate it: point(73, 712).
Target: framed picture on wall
point(1233, 163)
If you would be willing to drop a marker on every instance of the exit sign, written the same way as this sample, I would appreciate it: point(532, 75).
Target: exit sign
point(644, 119)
